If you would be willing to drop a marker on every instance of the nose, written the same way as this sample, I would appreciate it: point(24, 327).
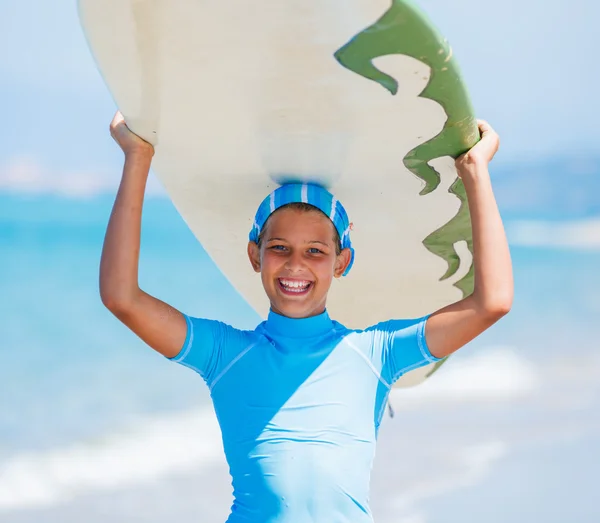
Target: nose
point(295, 261)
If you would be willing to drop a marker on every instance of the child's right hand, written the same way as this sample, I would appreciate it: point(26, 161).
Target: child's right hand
point(128, 141)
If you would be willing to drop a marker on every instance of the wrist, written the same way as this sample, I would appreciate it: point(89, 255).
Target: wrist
point(140, 154)
point(472, 172)
point(137, 164)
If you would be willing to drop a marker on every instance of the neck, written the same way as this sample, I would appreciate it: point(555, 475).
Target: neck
point(305, 327)
point(316, 311)
point(299, 316)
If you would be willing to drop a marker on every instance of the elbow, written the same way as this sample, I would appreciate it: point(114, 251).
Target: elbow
point(111, 302)
point(501, 309)
point(497, 308)
point(116, 302)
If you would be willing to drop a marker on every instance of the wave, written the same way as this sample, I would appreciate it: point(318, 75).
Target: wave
point(153, 449)
point(576, 234)
point(496, 374)
point(469, 465)
point(25, 176)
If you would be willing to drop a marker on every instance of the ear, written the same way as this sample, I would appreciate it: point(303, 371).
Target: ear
point(254, 256)
point(341, 263)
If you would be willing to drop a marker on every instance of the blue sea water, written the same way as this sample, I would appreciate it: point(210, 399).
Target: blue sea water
point(70, 373)
point(69, 369)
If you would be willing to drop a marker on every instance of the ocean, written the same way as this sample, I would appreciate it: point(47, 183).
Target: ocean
point(95, 426)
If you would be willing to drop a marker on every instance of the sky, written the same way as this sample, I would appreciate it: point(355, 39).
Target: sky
point(529, 67)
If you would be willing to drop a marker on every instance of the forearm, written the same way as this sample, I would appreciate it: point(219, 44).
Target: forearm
point(120, 253)
point(493, 289)
point(455, 325)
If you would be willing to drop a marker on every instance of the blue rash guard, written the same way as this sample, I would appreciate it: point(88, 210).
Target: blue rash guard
point(299, 403)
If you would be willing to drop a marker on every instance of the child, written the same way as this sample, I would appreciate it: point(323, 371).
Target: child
point(299, 399)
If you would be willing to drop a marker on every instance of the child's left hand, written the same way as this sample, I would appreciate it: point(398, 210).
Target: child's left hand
point(481, 154)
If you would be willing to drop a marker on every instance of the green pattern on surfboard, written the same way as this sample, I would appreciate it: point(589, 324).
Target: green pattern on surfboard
point(404, 29)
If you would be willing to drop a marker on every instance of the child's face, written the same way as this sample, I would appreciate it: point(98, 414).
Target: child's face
point(297, 261)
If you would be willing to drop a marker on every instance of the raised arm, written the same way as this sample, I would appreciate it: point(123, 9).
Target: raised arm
point(161, 326)
point(455, 325)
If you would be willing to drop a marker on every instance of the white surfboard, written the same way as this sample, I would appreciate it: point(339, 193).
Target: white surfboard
point(362, 96)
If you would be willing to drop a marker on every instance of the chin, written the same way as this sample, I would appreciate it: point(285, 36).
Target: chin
point(296, 310)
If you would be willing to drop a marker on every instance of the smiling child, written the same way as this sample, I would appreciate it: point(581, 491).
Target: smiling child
point(300, 399)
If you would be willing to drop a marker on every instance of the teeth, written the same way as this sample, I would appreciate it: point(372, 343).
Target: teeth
point(295, 285)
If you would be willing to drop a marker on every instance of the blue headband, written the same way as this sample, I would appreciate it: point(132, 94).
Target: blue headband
point(314, 195)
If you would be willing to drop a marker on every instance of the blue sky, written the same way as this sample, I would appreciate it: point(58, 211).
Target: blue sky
point(530, 68)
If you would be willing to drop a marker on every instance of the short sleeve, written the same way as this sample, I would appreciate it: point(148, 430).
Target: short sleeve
point(202, 349)
point(404, 347)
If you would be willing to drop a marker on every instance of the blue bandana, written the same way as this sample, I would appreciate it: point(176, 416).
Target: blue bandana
point(314, 195)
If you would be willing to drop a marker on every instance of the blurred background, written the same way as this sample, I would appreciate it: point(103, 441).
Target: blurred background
point(95, 426)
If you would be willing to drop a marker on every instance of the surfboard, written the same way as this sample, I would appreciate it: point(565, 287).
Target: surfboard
point(361, 96)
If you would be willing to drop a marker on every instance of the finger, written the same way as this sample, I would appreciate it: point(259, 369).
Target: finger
point(485, 128)
point(117, 119)
point(489, 134)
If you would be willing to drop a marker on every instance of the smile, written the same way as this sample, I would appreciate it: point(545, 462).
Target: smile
point(294, 286)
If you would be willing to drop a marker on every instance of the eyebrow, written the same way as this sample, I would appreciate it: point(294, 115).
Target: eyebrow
point(284, 240)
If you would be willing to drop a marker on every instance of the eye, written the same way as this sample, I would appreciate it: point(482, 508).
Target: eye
point(277, 247)
point(314, 250)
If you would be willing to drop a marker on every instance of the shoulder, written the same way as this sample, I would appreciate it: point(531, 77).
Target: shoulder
point(222, 336)
point(211, 345)
point(397, 324)
point(388, 332)
point(362, 339)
